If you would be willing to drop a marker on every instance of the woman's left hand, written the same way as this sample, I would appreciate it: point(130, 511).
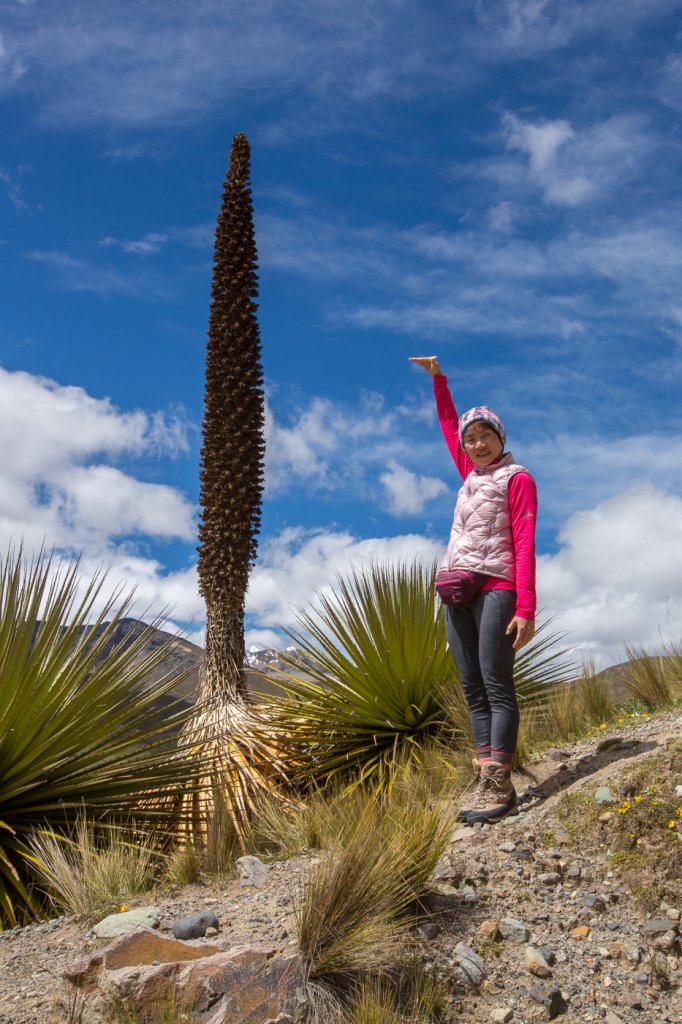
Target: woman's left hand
point(525, 630)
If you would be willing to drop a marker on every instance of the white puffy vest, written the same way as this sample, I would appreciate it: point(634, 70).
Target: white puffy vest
point(481, 537)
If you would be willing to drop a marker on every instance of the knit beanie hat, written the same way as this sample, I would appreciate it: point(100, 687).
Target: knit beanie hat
point(486, 415)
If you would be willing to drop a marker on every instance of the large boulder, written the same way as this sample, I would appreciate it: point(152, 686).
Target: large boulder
point(135, 949)
point(243, 985)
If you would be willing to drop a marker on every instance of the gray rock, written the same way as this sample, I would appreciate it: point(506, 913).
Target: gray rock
point(118, 924)
point(656, 926)
point(548, 955)
point(471, 965)
point(573, 871)
point(673, 914)
point(609, 743)
point(429, 930)
point(555, 754)
point(195, 926)
point(535, 962)
point(678, 790)
point(508, 847)
point(252, 871)
point(550, 997)
point(666, 941)
point(444, 869)
point(522, 854)
point(513, 930)
point(594, 902)
point(604, 796)
point(549, 878)
point(469, 894)
point(501, 1015)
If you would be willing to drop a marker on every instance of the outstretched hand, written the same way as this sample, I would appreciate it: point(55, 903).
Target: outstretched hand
point(525, 630)
point(430, 364)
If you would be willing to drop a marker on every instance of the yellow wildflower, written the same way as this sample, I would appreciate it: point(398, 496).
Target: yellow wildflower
point(639, 798)
point(624, 807)
point(678, 812)
point(672, 824)
point(603, 725)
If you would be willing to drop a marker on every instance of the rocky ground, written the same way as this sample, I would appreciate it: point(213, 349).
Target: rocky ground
point(554, 912)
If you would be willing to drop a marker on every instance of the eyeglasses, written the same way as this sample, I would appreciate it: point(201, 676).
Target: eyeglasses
point(485, 438)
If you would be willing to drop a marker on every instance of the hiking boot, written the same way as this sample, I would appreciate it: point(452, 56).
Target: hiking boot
point(477, 798)
point(499, 798)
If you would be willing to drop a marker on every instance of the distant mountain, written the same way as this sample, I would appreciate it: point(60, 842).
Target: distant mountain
point(184, 657)
point(261, 662)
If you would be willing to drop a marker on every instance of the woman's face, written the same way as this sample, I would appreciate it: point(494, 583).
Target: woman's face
point(481, 443)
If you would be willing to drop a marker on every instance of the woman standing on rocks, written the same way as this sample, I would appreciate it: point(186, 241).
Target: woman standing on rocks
point(487, 583)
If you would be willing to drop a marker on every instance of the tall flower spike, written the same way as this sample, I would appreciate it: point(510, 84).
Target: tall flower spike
point(233, 451)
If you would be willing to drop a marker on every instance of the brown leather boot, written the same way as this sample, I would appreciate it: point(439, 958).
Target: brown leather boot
point(477, 798)
point(499, 797)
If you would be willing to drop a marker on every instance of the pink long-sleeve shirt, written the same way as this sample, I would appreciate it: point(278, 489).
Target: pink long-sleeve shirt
point(523, 506)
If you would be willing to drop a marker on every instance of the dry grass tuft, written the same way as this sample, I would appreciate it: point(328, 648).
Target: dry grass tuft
point(182, 866)
point(593, 696)
point(648, 678)
point(89, 870)
point(374, 1002)
point(353, 914)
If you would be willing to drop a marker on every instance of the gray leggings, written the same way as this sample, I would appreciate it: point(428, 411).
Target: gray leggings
point(484, 656)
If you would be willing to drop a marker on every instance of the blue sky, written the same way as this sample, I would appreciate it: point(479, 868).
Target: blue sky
point(496, 183)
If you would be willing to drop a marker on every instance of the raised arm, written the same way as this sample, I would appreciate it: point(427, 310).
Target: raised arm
point(447, 414)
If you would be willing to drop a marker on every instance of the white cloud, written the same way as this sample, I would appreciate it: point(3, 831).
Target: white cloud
point(584, 468)
point(338, 447)
point(617, 576)
point(145, 64)
point(573, 167)
point(13, 189)
point(533, 27)
point(409, 493)
point(146, 246)
point(502, 217)
point(12, 67)
point(105, 500)
point(81, 275)
point(54, 488)
point(300, 451)
point(295, 564)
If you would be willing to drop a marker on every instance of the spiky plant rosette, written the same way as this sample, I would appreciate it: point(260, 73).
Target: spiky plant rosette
point(88, 722)
point(364, 688)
